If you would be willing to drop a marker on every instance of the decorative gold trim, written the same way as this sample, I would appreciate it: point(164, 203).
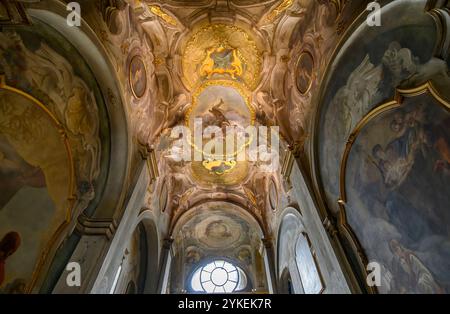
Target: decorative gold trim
point(251, 196)
point(277, 11)
point(398, 101)
point(71, 189)
point(273, 203)
point(156, 10)
point(130, 81)
point(311, 81)
point(218, 38)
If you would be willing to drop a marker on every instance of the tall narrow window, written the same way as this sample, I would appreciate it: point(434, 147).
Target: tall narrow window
point(307, 267)
point(116, 280)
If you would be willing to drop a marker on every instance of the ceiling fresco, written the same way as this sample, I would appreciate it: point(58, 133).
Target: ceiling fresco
point(230, 64)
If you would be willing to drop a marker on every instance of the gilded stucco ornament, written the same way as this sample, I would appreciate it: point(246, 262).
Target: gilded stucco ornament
point(220, 51)
point(277, 11)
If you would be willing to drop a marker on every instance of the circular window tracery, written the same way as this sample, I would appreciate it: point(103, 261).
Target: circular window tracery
point(218, 276)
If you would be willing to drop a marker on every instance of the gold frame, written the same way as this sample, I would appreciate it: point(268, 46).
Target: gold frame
point(399, 98)
point(276, 202)
point(130, 82)
point(43, 258)
point(311, 81)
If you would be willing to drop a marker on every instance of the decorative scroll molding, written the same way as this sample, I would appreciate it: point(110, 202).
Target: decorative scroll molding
point(89, 226)
point(156, 10)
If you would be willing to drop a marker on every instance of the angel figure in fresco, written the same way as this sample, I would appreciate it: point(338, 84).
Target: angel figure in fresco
point(360, 91)
point(8, 246)
point(219, 116)
point(400, 62)
point(348, 107)
point(265, 111)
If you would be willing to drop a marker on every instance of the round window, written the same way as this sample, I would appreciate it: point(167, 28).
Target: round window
point(218, 276)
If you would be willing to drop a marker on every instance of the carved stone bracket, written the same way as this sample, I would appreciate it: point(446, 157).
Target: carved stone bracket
point(89, 226)
point(149, 155)
point(286, 167)
point(330, 227)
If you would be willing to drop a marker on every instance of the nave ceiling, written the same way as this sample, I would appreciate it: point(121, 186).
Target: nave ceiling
point(248, 52)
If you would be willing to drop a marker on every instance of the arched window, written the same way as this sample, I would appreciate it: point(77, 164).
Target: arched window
point(307, 266)
point(131, 288)
point(218, 276)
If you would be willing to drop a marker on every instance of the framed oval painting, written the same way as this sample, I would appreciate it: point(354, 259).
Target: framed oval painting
point(138, 76)
point(304, 72)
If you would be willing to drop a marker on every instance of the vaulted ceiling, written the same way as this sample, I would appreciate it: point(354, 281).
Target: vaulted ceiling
point(229, 63)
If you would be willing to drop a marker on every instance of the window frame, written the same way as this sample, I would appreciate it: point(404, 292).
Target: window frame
point(205, 262)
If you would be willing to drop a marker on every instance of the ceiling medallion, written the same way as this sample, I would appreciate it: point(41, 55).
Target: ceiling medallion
point(221, 52)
